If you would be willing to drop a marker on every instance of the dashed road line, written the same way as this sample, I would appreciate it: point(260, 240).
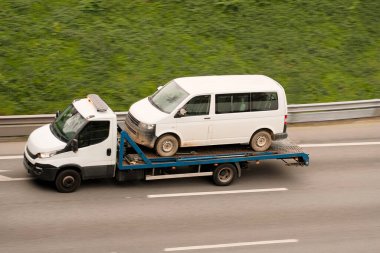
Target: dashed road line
point(7, 179)
point(10, 157)
point(187, 194)
point(321, 145)
point(230, 245)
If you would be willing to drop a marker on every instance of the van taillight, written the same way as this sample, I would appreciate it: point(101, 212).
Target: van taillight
point(285, 123)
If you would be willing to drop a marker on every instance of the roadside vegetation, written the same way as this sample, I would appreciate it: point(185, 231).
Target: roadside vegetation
point(54, 51)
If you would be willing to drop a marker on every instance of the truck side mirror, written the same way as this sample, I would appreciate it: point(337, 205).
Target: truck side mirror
point(74, 145)
point(57, 114)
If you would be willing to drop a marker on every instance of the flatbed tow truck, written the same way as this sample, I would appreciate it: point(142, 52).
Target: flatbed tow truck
point(53, 153)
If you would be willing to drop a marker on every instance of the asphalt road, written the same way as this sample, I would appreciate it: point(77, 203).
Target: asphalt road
point(331, 206)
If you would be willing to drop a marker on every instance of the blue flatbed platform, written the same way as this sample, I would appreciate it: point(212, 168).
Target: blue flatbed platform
point(132, 157)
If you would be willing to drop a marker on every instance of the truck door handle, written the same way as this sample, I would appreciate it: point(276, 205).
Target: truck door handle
point(108, 152)
point(207, 118)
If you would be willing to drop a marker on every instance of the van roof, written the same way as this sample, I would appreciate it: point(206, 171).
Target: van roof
point(228, 84)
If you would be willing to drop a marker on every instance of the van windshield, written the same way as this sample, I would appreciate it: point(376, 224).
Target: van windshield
point(67, 124)
point(168, 97)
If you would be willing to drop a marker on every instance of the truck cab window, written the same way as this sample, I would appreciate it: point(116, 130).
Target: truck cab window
point(199, 105)
point(94, 132)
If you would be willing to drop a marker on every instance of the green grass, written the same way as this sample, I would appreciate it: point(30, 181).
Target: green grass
point(54, 51)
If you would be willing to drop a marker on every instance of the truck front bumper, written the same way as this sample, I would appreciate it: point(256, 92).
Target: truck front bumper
point(45, 172)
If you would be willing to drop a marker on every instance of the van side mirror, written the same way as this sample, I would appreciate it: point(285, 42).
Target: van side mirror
point(57, 114)
point(182, 112)
point(74, 145)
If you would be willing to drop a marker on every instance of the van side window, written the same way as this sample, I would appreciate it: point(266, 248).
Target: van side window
point(93, 133)
point(264, 101)
point(199, 105)
point(240, 103)
point(228, 103)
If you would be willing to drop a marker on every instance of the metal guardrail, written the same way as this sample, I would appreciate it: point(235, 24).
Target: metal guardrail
point(302, 113)
point(22, 125)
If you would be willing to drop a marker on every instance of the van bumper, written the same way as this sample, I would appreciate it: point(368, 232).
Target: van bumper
point(280, 136)
point(145, 137)
point(45, 172)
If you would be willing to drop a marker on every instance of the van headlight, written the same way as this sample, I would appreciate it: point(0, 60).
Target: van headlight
point(46, 154)
point(147, 126)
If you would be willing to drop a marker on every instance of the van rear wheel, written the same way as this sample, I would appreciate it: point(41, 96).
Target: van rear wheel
point(167, 145)
point(261, 141)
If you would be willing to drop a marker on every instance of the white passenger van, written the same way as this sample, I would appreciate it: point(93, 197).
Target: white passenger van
point(210, 110)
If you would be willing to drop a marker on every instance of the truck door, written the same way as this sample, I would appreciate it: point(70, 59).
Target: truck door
point(95, 154)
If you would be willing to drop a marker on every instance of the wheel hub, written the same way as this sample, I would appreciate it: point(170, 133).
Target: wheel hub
point(261, 141)
point(68, 181)
point(167, 146)
point(225, 175)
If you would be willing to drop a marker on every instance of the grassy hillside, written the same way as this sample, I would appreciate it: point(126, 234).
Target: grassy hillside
point(52, 51)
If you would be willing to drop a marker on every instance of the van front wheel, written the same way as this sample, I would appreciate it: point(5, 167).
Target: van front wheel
point(167, 145)
point(261, 141)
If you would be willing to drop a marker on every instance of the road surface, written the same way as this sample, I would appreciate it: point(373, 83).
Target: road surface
point(331, 206)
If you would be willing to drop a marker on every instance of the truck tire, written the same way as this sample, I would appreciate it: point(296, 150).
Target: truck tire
point(167, 145)
point(224, 174)
point(67, 181)
point(261, 141)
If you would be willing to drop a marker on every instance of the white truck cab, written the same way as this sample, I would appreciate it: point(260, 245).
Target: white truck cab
point(81, 142)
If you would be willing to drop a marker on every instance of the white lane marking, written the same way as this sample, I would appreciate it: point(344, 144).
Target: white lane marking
point(7, 179)
point(338, 144)
point(213, 193)
point(228, 245)
point(9, 157)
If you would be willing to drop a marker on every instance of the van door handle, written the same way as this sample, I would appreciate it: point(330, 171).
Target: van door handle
point(207, 118)
point(108, 152)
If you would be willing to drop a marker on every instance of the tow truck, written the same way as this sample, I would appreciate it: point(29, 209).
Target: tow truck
point(86, 141)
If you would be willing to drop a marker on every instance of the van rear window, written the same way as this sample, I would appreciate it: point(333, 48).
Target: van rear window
point(264, 101)
point(246, 102)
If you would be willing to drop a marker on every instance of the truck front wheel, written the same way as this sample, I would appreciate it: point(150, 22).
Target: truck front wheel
point(67, 181)
point(224, 174)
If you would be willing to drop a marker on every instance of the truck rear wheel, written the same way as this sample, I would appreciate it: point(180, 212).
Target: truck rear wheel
point(67, 181)
point(224, 174)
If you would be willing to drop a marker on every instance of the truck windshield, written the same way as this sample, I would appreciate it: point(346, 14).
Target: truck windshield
point(67, 124)
point(168, 97)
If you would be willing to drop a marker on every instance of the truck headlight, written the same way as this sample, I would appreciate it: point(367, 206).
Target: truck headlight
point(147, 126)
point(46, 154)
